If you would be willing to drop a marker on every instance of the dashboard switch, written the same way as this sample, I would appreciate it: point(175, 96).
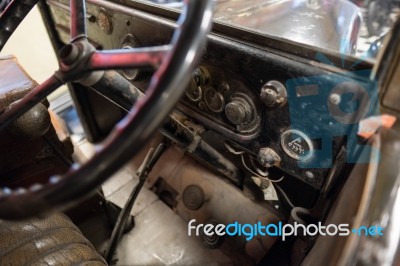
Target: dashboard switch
point(267, 157)
point(238, 111)
point(273, 94)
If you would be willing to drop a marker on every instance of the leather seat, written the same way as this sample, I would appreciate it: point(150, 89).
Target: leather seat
point(53, 240)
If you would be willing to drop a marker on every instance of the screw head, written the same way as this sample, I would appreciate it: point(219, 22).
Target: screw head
point(309, 174)
point(334, 98)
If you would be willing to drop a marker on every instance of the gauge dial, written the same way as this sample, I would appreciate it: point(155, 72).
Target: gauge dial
point(297, 145)
point(214, 100)
point(193, 92)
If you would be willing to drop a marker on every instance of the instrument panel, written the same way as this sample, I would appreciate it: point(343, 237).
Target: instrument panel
point(224, 98)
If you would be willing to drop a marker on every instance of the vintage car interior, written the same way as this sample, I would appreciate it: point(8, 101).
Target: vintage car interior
point(249, 112)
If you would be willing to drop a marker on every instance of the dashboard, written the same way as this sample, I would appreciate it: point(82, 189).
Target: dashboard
point(270, 106)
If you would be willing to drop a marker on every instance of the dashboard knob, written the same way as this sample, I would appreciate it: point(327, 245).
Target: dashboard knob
point(273, 94)
point(238, 111)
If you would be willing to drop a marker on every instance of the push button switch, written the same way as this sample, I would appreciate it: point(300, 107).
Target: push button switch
point(238, 111)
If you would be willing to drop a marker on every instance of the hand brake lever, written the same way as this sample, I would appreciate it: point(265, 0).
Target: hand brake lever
point(149, 161)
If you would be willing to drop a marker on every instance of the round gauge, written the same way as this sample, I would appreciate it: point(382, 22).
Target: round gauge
point(214, 100)
point(297, 145)
point(193, 92)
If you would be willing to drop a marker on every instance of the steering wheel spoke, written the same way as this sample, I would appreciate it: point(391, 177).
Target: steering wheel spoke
point(128, 58)
point(78, 19)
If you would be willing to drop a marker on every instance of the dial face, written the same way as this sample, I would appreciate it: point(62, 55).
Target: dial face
point(214, 100)
point(297, 145)
point(193, 92)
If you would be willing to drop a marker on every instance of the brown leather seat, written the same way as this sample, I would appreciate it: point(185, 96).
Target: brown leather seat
point(53, 240)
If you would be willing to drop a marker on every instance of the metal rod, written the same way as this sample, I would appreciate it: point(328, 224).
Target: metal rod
point(143, 172)
point(78, 19)
point(128, 58)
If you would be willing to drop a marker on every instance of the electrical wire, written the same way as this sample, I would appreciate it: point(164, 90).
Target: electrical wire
point(288, 201)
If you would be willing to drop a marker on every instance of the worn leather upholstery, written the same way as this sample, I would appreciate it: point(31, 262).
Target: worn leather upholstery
point(53, 240)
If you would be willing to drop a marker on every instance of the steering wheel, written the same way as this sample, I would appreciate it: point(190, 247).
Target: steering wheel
point(80, 62)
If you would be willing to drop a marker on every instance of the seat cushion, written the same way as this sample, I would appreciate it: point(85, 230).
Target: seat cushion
point(53, 240)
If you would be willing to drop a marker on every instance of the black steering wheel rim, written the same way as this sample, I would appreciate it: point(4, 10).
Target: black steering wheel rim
point(129, 135)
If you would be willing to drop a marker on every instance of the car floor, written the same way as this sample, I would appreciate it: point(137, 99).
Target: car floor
point(159, 236)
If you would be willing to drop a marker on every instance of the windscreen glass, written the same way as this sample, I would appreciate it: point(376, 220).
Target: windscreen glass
point(355, 27)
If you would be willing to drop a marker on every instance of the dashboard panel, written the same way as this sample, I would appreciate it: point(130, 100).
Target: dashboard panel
point(262, 102)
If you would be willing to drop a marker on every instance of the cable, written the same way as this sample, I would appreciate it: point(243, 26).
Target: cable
point(288, 201)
